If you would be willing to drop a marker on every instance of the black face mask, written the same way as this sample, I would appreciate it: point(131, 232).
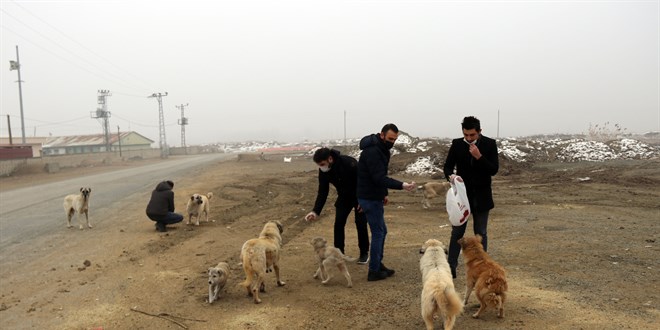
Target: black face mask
point(389, 145)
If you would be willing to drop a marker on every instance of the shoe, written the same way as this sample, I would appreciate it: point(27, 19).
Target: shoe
point(160, 227)
point(364, 259)
point(388, 271)
point(377, 276)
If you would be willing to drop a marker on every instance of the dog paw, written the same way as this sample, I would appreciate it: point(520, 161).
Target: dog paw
point(475, 315)
point(281, 283)
point(81, 227)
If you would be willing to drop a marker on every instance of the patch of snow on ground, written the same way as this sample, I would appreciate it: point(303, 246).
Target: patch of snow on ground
point(587, 150)
point(632, 149)
point(422, 166)
point(423, 146)
point(403, 139)
point(510, 151)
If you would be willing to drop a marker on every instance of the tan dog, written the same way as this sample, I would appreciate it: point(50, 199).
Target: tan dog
point(217, 279)
point(77, 203)
point(432, 190)
point(259, 256)
point(329, 257)
point(485, 275)
point(197, 205)
point(438, 293)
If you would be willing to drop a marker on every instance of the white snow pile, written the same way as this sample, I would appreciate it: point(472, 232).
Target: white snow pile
point(422, 166)
point(586, 150)
point(508, 149)
point(574, 150)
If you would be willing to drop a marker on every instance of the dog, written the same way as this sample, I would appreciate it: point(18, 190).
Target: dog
point(77, 203)
point(261, 255)
point(197, 205)
point(484, 275)
point(431, 190)
point(329, 256)
point(217, 279)
point(438, 293)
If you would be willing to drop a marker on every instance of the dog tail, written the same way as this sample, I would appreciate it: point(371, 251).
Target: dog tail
point(209, 195)
point(449, 302)
point(420, 186)
point(347, 258)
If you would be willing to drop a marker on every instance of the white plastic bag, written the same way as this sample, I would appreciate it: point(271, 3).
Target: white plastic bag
point(458, 206)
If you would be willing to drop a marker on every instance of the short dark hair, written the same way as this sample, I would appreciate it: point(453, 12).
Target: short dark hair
point(170, 183)
point(471, 122)
point(321, 154)
point(389, 127)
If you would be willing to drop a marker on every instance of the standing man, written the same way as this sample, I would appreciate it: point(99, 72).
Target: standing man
point(372, 186)
point(341, 171)
point(475, 158)
point(161, 206)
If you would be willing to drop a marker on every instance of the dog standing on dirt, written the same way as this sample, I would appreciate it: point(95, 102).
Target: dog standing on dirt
point(197, 205)
point(77, 203)
point(259, 256)
point(217, 279)
point(431, 190)
point(438, 293)
point(484, 275)
point(329, 257)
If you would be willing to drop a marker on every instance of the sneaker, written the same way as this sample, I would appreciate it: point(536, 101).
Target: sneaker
point(388, 271)
point(161, 227)
point(377, 276)
point(364, 259)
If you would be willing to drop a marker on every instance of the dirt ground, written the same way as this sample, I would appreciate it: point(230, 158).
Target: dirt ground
point(579, 255)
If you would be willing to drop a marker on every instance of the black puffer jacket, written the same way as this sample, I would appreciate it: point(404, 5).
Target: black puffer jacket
point(342, 175)
point(373, 181)
point(162, 200)
point(475, 173)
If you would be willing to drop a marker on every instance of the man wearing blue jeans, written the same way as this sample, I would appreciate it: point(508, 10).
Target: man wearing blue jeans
point(372, 186)
point(474, 157)
point(161, 206)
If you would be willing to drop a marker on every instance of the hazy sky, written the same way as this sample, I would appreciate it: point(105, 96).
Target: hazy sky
point(287, 70)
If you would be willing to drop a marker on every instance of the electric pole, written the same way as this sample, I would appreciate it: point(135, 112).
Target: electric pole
point(16, 65)
point(164, 152)
point(183, 122)
point(103, 115)
point(344, 126)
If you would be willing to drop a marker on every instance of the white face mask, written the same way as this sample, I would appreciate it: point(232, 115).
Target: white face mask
point(466, 141)
point(324, 168)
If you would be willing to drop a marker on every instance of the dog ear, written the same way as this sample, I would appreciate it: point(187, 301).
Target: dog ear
point(192, 197)
point(279, 227)
point(81, 189)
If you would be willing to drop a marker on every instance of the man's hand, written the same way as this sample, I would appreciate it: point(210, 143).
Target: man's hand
point(474, 151)
point(452, 177)
point(311, 216)
point(359, 209)
point(409, 186)
point(385, 201)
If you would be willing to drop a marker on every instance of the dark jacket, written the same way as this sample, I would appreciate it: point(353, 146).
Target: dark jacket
point(162, 200)
point(475, 173)
point(342, 175)
point(373, 181)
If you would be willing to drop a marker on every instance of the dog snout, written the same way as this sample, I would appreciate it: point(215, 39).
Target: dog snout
point(210, 282)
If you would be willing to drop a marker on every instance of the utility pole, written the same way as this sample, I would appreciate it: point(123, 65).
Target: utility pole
point(16, 65)
point(103, 115)
point(164, 152)
point(498, 123)
point(11, 141)
point(183, 122)
point(344, 126)
point(119, 140)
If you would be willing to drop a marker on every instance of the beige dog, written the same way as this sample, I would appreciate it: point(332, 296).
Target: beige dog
point(197, 205)
point(485, 275)
point(77, 203)
point(259, 256)
point(438, 293)
point(329, 257)
point(217, 279)
point(431, 190)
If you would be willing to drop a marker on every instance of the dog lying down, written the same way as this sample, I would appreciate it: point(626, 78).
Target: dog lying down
point(431, 190)
point(77, 203)
point(484, 275)
point(438, 293)
point(217, 279)
point(330, 257)
point(198, 204)
point(259, 256)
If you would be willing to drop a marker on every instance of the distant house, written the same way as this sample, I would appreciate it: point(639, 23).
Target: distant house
point(79, 144)
point(34, 142)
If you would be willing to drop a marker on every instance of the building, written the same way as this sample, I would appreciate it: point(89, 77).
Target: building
point(80, 144)
point(34, 142)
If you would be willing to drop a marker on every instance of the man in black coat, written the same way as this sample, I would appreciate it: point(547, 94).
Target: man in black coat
point(475, 158)
point(161, 206)
point(340, 171)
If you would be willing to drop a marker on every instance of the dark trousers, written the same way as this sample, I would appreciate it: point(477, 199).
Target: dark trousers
point(341, 215)
point(480, 224)
point(375, 213)
point(168, 219)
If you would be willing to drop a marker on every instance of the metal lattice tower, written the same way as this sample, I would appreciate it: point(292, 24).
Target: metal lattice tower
point(103, 115)
point(164, 152)
point(183, 122)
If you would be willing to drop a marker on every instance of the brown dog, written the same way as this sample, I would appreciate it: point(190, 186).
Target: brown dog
point(431, 190)
point(485, 275)
point(438, 294)
point(197, 205)
point(259, 256)
point(329, 257)
point(217, 279)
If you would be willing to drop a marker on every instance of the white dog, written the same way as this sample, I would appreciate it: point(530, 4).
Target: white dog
point(330, 257)
point(197, 205)
point(217, 279)
point(77, 203)
point(438, 293)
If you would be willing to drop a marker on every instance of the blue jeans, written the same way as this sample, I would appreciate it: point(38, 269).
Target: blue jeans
point(168, 219)
point(480, 224)
point(375, 213)
point(341, 215)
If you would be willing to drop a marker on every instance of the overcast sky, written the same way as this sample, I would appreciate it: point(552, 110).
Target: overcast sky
point(288, 70)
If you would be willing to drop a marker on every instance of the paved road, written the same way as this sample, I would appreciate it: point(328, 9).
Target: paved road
point(28, 213)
